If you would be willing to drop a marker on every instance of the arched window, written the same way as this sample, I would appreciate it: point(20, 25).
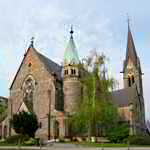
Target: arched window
point(72, 71)
point(66, 72)
point(28, 90)
point(129, 81)
point(133, 80)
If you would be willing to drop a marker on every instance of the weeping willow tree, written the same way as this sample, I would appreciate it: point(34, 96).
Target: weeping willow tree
point(95, 107)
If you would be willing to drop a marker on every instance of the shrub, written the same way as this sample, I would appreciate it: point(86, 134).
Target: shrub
point(14, 140)
point(25, 123)
point(119, 133)
point(139, 140)
point(31, 141)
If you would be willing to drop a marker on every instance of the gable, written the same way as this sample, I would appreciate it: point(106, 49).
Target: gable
point(36, 64)
point(29, 65)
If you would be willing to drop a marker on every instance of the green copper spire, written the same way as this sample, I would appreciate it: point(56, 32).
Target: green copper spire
point(71, 55)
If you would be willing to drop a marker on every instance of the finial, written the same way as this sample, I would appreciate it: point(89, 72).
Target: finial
point(32, 42)
point(71, 31)
point(128, 20)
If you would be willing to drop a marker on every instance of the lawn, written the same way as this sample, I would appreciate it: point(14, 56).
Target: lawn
point(89, 144)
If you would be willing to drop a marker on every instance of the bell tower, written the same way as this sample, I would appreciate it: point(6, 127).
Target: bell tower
point(132, 73)
point(72, 88)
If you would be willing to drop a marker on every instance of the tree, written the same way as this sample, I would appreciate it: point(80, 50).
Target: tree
point(3, 108)
point(95, 107)
point(3, 111)
point(25, 123)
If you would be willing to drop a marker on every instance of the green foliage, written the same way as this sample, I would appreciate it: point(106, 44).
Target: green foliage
point(13, 140)
point(2, 108)
point(118, 133)
point(3, 111)
point(139, 140)
point(95, 106)
point(25, 123)
point(31, 141)
point(20, 139)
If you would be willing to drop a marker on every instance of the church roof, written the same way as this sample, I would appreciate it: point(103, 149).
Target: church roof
point(50, 65)
point(71, 55)
point(123, 97)
point(130, 51)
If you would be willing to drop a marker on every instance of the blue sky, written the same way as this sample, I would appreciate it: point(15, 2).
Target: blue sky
point(98, 24)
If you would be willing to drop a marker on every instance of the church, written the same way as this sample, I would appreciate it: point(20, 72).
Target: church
point(50, 90)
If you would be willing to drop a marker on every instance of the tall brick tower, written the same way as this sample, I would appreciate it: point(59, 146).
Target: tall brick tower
point(132, 76)
point(72, 88)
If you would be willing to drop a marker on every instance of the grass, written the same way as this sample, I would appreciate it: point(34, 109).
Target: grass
point(13, 141)
point(89, 144)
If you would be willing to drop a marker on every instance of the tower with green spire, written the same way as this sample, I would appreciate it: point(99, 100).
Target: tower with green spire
point(72, 88)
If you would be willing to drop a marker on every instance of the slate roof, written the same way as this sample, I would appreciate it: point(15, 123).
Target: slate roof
point(123, 97)
point(51, 66)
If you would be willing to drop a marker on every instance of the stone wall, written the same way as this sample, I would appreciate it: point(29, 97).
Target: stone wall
point(72, 93)
point(43, 102)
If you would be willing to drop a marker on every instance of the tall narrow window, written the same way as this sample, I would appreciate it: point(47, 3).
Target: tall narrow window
point(72, 71)
point(66, 72)
point(129, 81)
point(133, 80)
point(28, 90)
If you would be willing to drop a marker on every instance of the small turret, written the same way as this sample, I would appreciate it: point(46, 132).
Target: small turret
point(72, 88)
point(71, 59)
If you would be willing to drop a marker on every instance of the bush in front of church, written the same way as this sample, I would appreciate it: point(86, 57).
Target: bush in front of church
point(118, 133)
point(25, 123)
point(139, 140)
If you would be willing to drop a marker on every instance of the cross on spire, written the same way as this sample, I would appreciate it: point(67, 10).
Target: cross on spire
point(71, 31)
point(128, 21)
point(32, 42)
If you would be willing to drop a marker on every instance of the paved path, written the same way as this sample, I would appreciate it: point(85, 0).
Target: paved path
point(68, 147)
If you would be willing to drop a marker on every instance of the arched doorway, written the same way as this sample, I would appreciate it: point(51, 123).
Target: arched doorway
point(56, 129)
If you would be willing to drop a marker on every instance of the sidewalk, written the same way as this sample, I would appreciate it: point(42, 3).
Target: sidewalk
point(68, 147)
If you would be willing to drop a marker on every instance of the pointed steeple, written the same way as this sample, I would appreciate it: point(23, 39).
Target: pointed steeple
point(32, 42)
point(71, 32)
point(71, 55)
point(131, 50)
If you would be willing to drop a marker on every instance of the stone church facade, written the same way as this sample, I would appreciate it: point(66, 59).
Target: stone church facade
point(50, 90)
